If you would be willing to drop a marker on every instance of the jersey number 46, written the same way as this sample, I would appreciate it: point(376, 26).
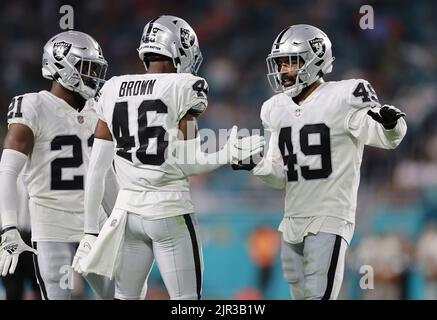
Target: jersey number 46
point(126, 141)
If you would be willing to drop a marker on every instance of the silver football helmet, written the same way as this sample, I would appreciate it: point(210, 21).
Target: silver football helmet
point(300, 43)
point(172, 37)
point(75, 60)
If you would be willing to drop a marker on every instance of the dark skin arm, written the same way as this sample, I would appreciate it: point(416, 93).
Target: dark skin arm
point(188, 127)
point(102, 131)
point(19, 138)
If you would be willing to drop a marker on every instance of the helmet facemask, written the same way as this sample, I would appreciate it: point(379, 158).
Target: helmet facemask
point(305, 45)
point(92, 75)
point(197, 60)
point(189, 62)
point(75, 60)
point(303, 75)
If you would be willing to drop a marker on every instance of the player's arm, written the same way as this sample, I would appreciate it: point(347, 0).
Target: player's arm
point(101, 186)
point(102, 155)
point(192, 161)
point(373, 125)
point(271, 168)
point(111, 191)
point(187, 148)
point(17, 146)
point(111, 187)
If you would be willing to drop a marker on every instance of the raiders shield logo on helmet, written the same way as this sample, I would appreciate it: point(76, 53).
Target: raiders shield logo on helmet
point(317, 46)
point(187, 39)
point(60, 50)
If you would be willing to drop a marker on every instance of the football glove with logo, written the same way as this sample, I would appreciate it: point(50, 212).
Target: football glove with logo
point(85, 246)
point(10, 249)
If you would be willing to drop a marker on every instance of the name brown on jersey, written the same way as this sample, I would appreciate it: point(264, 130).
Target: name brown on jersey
point(134, 88)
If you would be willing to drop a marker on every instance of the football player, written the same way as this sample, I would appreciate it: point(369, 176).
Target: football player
point(50, 134)
point(318, 132)
point(149, 120)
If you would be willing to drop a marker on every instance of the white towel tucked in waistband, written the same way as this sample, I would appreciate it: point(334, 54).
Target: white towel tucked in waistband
point(103, 257)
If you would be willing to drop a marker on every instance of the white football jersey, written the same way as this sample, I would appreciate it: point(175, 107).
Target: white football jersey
point(143, 113)
point(55, 170)
point(320, 144)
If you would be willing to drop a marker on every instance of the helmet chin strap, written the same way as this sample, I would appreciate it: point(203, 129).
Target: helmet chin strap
point(176, 61)
point(294, 90)
point(85, 94)
point(80, 89)
point(297, 88)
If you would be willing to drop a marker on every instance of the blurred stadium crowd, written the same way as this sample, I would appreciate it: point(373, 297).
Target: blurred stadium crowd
point(396, 229)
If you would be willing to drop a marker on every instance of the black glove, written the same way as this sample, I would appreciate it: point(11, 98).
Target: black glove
point(387, 116)
point(254, 160)
point(247, 167)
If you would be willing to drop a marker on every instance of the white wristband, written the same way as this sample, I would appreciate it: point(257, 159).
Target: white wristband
point(11, 164)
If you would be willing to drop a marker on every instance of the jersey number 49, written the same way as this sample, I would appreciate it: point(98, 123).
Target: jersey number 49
point(323, 150)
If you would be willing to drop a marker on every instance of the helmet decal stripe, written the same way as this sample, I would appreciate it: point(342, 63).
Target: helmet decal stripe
point(278, 41)
point(149, 29)
point(174, 38)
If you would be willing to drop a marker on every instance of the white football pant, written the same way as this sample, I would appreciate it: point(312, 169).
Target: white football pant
point(314, 268)
point(174, 243)
point(55, 275)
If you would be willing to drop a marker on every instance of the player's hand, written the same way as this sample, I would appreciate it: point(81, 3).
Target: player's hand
point(249, 166)
point(242, 150)
point(85, 246)
point(10, 249)
point(388, 116)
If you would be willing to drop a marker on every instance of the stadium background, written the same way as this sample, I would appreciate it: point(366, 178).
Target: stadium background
point(397, 202)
